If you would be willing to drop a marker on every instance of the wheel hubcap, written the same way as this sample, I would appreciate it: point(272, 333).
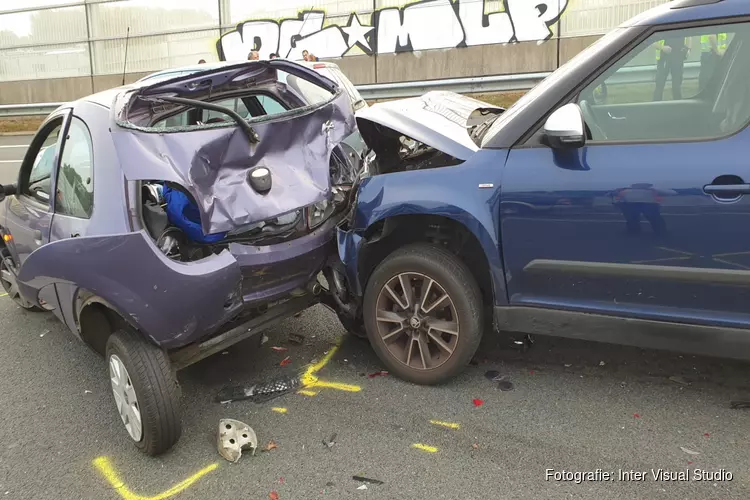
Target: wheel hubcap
point(417, 320)
point(10, 282)
point(125, 397)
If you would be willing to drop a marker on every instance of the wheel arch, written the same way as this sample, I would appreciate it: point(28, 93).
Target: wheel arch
point(97, 319)
point(469, 242)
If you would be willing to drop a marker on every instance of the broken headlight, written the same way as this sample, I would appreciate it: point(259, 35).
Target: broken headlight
point(317, 213)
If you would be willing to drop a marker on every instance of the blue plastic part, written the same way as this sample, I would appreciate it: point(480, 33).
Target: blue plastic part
point(184, 214)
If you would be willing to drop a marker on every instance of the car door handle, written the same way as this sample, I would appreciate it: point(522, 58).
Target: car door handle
point(616, 117)
point(719, 189)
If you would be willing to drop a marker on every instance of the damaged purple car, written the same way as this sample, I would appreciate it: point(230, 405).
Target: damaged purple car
point(163, 222)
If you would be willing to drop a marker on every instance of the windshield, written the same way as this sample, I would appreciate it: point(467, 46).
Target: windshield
point(591, 52)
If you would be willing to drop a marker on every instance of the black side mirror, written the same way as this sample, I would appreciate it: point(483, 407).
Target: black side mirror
point(7, 190)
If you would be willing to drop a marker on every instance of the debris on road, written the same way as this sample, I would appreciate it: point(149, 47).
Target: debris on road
point(273, 495)
point(636, 415)
point(279, 349)
point(679, 380)
point(45, 332)
point(492, 375)
point(567, 365)
point(260, 392)
point(363, 487)
point(296, 338)
point(601, 363)
point(330, 441)
point(285, 361)
point(367, 480)
point(475, 446)
point(86, 391)
point(706, 434)
point(478, 402)
point(739, 404)
point(235, 436)
point(689, 452)
point(505, 385)
point(271, 446)
point(381, 373)
point(263, 339)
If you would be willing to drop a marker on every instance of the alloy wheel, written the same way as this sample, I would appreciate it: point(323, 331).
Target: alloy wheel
point(125, 398)
point(417, 321)
point(9, 282)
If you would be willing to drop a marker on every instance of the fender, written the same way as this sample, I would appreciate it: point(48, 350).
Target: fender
point(171, 303)
point(451, 192)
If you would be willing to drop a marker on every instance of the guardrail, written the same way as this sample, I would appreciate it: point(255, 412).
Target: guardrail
point(396, 90)
point(479, 84)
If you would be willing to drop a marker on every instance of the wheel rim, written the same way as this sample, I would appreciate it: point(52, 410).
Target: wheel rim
point(417, 320)
point(10, 282)
point(125, 397)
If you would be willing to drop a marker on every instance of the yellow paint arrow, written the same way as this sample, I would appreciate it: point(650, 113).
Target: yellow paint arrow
point(105, 468)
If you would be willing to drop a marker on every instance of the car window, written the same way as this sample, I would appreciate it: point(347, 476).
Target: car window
point(674, 86)
point(270, 105)
point(234, 104)
point(75, 186)
point(39, 185)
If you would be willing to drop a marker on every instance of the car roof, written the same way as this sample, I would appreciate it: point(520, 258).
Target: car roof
point(210, 66)
point(680, 11)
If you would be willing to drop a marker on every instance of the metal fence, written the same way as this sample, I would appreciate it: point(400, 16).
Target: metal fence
point(45, 39)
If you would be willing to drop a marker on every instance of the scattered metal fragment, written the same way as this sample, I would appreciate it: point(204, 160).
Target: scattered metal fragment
point(330, 441)
point(739, 404)
point(679, 380)
point(689, 452)
point(367, 480)
point(260, 392)
point(296, 338)
point(235, 436)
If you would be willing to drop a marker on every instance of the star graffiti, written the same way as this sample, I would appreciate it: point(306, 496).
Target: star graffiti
point(356, 33)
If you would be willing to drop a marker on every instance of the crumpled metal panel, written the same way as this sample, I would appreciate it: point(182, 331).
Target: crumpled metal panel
point(173, 303)
point(212, 163)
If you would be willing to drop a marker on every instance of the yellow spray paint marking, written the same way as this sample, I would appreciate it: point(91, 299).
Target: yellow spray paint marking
point(3, 294)
point(280, 410)
point(308, 393)
point(106, 470)
point(310, 380)
point(449, 425)
point(424, 447)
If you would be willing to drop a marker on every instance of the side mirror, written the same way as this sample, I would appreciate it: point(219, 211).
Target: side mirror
point(564, 128)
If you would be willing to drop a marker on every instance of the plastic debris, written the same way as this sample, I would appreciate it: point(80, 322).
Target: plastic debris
point(478, 402)
point(45, 332)
point(706, 434)
point(279, 349)
point(273, 495)
point(263, 339)
point(86, 391)
point(330, 441)
point(285, 361)
point(602, 363)
point(367, 480)
point(689, 452)
point(362, 487)
point(225, 352)
point(475, 446)
point(636, 415)
point(679, 380)
point(381, 373)
point(235, 436)
point(296, 338)
point(271, 446)
point(260, 392)
point(567, 365)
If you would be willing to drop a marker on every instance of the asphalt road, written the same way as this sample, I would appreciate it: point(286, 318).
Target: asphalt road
point(12, 149)
point(575, 406)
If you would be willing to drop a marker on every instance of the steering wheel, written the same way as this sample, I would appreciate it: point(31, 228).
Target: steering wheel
point(588, 116)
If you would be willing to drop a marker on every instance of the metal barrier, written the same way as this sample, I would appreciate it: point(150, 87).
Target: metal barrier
point(499, 83)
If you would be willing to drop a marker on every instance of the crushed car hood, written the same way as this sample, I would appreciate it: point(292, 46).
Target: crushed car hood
point(212, 162)
point(440, 119)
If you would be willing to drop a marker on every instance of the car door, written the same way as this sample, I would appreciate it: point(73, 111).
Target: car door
point(73, 202)
point(29, 214)
point(650, 218)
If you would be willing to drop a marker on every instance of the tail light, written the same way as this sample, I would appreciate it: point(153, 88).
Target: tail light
point(319, 66)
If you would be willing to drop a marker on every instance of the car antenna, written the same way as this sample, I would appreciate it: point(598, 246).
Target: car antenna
point(125, 63)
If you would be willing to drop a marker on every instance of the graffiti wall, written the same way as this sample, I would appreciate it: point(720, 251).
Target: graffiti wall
point(423, 25)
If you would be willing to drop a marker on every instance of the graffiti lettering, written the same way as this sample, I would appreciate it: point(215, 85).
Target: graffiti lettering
point(428, 24)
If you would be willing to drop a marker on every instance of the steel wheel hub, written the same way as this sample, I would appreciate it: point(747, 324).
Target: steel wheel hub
point(417, 320)
point(125, 398)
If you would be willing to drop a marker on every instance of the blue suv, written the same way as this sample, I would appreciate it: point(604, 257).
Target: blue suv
point(607, 204)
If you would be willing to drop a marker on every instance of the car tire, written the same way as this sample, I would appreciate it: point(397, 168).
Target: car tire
point(8, 275)
point(144, 388)
point(457, 321)
point(353, 326)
